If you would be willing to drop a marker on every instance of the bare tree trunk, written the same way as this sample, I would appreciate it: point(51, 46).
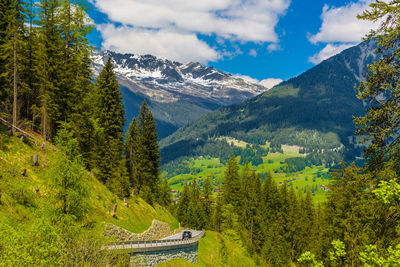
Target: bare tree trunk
point(15, 83)
point(115, 210)
point(44, 120)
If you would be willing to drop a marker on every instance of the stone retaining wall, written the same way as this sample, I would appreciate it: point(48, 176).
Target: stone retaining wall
point(157, 231)
point(154, 258)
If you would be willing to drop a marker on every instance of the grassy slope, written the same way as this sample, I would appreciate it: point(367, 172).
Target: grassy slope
point(209, 254)
point(214, 169)
point(20, 201)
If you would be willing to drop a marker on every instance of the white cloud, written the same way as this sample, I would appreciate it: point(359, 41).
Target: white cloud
point(253, 52)
point(273, 47)
point(267, 83)
point(340, 24)
point(270, 82)
point(234, 20)
point(341, 29)
point(328, 51)
point(160, 43)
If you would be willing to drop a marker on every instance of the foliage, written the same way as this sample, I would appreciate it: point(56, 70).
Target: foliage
point(380, 125)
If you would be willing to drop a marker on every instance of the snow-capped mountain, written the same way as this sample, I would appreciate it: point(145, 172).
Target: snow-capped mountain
point(177, 93)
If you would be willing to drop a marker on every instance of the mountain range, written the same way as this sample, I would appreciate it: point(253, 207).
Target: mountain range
point(313, 110)
point(177, 93)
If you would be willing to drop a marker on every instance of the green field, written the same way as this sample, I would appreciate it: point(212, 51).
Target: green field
point(314, 178)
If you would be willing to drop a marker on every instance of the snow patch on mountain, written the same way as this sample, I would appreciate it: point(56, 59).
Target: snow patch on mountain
point(163, 80)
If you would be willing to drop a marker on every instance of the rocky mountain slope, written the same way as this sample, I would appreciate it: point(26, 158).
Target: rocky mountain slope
point(314, 110)
point(177, 93)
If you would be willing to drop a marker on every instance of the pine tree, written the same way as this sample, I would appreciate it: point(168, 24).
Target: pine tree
point(183, 205)
point(131, 152)
point(11, 55)
point(381, 123)
point(231, 185)
point(195, 213)
point(148, 153)
point(165, 194)
point(110, 115)
point(206, 203)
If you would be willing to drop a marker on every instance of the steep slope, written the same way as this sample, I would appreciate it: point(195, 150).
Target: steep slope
point(25, 196)
point(177, 93)
point(313, 110)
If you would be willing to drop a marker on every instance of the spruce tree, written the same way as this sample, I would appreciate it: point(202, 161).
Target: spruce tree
point(131, 152)
point(380, 125)
point(183, 205)
point(11, 55)
point(165, 194)
point(110, 115)
point(206, 203)
point(195, 215)
point(231, 185)
point(148, 153)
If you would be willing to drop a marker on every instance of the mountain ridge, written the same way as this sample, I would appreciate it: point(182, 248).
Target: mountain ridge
point(312, 110)
point(177, 93)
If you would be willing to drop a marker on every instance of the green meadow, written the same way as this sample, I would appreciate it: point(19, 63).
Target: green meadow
point(315, 178)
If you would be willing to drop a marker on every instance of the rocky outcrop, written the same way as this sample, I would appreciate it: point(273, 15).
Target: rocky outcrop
point(157, 230)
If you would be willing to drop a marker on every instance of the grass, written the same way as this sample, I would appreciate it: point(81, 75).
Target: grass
point(310, 178)
point(209, 253)
point(20, 199)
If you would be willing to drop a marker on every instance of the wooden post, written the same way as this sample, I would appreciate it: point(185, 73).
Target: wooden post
point(36, 160)
point(115, 210)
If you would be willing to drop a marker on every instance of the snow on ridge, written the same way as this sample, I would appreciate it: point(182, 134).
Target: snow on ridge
point(153, 79)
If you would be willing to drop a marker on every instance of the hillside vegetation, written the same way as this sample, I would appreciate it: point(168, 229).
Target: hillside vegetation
point(29, 204)
point(20, 200)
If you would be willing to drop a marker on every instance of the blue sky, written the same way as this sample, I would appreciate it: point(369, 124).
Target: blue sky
point(261, 39)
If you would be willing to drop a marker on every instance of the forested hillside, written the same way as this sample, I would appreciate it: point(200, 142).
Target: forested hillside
point(64, 166)
point(314, 110)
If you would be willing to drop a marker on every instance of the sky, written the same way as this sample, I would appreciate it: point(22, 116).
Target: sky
point(261, 40)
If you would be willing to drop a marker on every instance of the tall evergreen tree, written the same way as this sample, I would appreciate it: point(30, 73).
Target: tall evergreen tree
point(232, 186)
point(206, 202)
point(381, 90)
point(183, 205)
point(148, 156)
point(11, 54)
point(195, 215)
point(131, 152)
point(110, 115)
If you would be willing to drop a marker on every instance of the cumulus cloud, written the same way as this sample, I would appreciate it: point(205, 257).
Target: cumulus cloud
point(267, 83)
point(234, 20)
point(273, 47)
point(340, 29)
point(270, 82)
point(328, 51)
point(340, 24)
point(160, 43)
point(253, 52)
